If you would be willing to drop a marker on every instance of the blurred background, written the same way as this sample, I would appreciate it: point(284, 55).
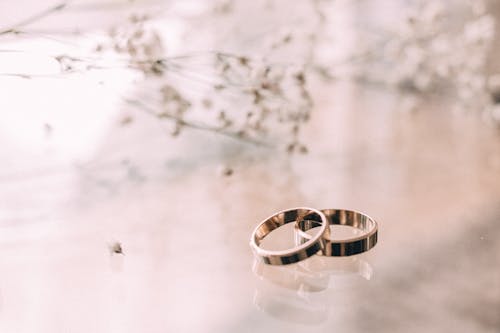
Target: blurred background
point(142, 141)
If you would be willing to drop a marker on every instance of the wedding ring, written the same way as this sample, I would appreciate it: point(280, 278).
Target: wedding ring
point(341, 248)
point(308, 248)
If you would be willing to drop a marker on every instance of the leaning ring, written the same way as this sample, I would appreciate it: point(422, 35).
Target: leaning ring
point(308, 248)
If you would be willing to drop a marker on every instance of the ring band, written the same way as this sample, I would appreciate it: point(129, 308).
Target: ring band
point(347, 247)
point(306, 249)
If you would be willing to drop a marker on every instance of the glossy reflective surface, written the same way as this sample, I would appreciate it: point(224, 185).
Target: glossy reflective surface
point(431, 179)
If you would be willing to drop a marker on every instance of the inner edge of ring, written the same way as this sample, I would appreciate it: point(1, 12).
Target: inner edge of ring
point(285, 217)
point(338, 217)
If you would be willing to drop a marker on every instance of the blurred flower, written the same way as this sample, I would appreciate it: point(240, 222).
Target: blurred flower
point(427, 54)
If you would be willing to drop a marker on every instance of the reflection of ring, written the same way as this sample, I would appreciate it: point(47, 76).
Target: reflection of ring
point(346, 247)
point(308, 248)
point(292, 278)
point(306, 292)
point(289, 306)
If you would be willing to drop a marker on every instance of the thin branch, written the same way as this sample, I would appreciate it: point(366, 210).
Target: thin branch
point(106, 5)
point(23, 76)
point(15, 28)
point(197, 126)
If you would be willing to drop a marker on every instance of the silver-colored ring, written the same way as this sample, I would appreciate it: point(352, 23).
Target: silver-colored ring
point(302, 251)
point(347, 247)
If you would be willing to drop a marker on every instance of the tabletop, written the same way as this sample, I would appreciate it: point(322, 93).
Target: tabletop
point(110, 224)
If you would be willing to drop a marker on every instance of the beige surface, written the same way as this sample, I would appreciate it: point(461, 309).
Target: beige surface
point(431, 178)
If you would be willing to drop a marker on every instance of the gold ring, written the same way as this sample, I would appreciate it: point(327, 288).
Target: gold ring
point(306, 249)
point(347, 247)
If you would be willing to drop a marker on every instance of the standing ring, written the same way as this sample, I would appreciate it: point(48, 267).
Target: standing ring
point(347, 247)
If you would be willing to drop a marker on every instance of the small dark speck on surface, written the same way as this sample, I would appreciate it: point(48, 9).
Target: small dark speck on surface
point(116, 248)
point(226, 171)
